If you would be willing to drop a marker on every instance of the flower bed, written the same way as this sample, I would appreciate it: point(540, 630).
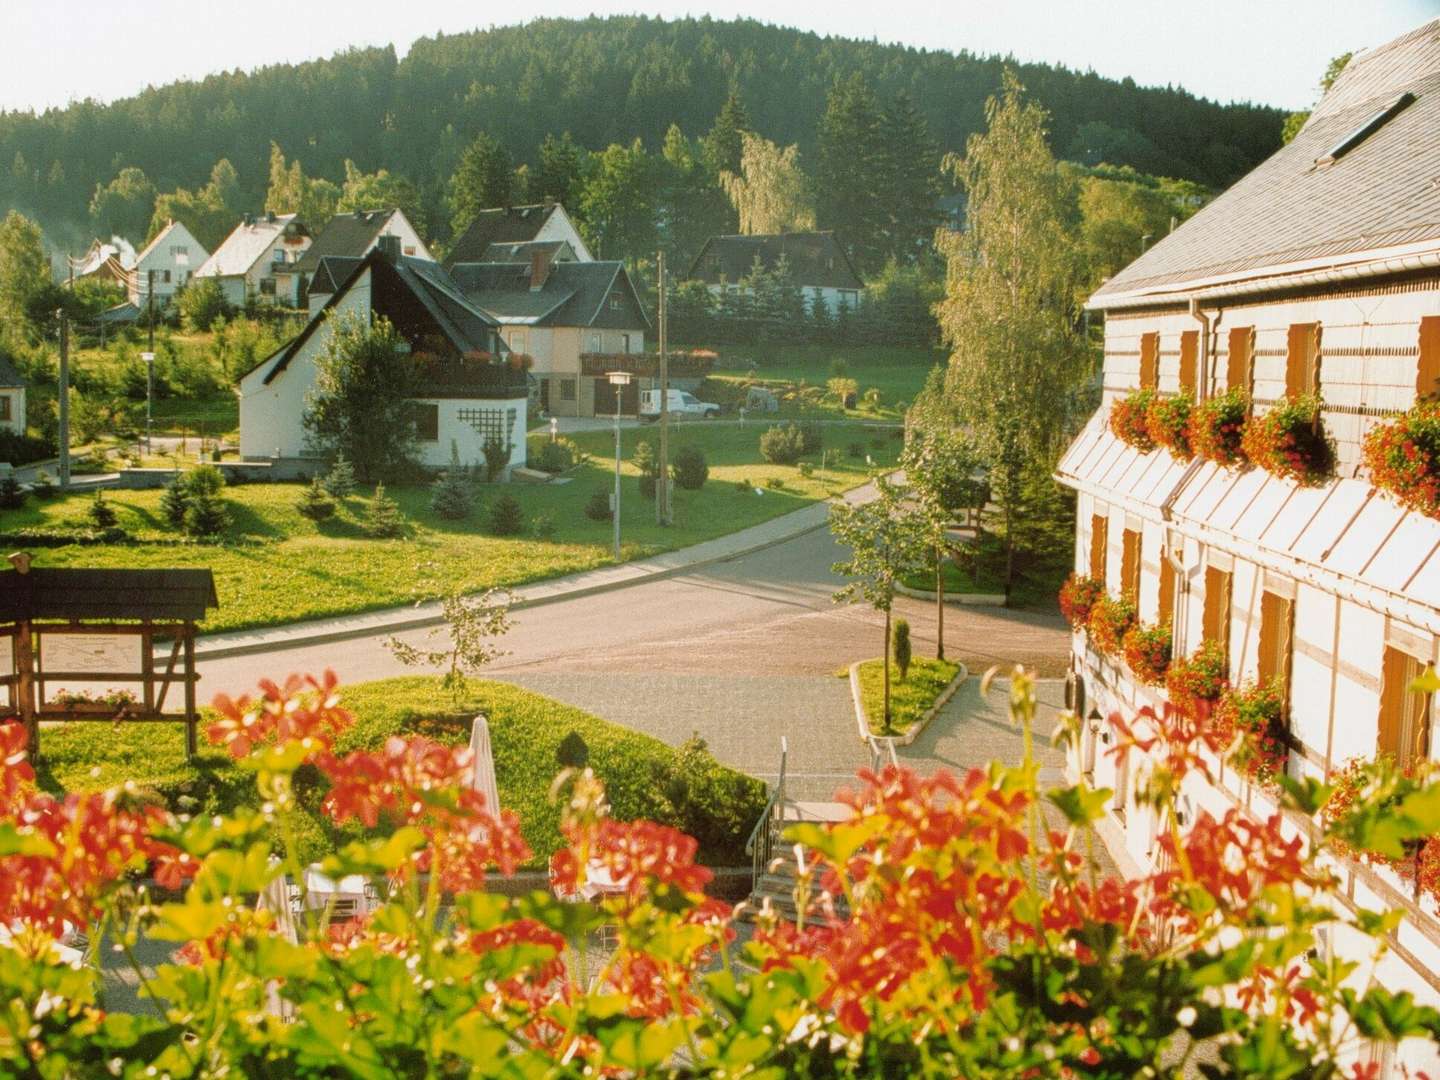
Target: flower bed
point(1403, 457)
point(1168, 422)
point(1194, 683)
point(1255, 715)
point(1109, 619)
point(1290, 442)
point(1130, 420)
point(1147, 652)
point(1077, 598)
point(1217, 426)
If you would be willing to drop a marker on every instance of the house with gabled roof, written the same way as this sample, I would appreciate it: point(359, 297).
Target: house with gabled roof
point(517, 225)
point(111, 261)
point(816, 262)
point(469, 391)
point(576, 320)
point(258, 261)
point(169, 261)
point(1315, 278)
point(12, 399)
point(353, 235)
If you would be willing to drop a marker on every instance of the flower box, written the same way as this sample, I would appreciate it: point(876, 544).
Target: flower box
point(1194, 683)
point(1147, 652)
point(1077, 597)
point(1109, 618)
point(1403, 457)
point(1290, 442)
point(1168, 421)
point(1130, 420)
point(1216, 428)
point(1251, 720)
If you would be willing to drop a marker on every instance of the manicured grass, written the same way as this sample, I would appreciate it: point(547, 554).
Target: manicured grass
point(909, 699)
point(898, 373)
point(643, 777)
point(275, 566)
point(958, 581)
point(216, 416)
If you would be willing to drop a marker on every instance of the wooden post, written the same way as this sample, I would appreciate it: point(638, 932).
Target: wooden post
point(147, 666)
point(191, 716)
point(25, 684)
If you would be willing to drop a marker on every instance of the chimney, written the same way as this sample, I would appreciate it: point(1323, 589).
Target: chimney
point(539, 269)
point(389, 248)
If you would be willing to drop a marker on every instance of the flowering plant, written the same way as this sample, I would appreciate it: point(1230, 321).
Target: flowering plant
point(1290, 442)
point(1217, 426)
point(1130, 419)
point(1251, 721)
point(1194, 683)
point(1077, 597)
point(521, 361)
point(1168, 422)
point(1147, 652)
point(1110, 617)
point(1403, 457)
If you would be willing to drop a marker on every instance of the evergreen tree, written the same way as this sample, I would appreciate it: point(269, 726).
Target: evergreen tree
point(560, 173)
point(314, 503)
point(174, 502)
point(692, 207)
point(617, 203)
point(340, 480)
point(123, 206)
point(383, 520)
point(723, 146)
point(450, 495)
point(24, 267)
point(205, 515)
point(484, 179)
point(909, 180)
point(850, 172)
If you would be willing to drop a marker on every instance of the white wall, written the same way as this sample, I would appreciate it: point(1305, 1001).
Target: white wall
point(560, 227)
point(16, 397)
point(468, 439)
point(164, 257)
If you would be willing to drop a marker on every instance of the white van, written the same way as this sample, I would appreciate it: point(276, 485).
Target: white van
point(681, 403)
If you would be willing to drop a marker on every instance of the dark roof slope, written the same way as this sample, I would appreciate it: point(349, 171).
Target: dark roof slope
point(331, 272)
point(1380, 193)
point(80, 593)
point(503, 225)
point(346, 234)
point(574, 294)
point(9, 377)
point(815, 259)
point(521, 252)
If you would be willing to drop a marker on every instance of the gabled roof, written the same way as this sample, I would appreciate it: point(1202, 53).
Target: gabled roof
point(574, 294)
point(1296, 212)
point(164, 234)
point(815, 259)
point(116, 250)
point(557, 250)
point(9, 377)
point(245, 246)
point(502, 225)
point(331, 272)
point(350, 235)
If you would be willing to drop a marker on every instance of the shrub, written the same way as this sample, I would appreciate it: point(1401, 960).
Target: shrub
point(742, 487)
point(1110, 617)
point(340, 481)
point(806, 469)
point(1130, 419)
point(544, 527)
point(450, 495)
point(782, 445)
point(557, 455)
point(101, 514)
point(573, 752)
point(1217, 425)
point(205, 515)
point(174, 500)
point(872, 398)
point(1252, 720)
point(383, 519)
point(1077, 597)
point(1290, 441)
point(202, 304)
point(204, 480)
point(1403, 457)
point(314, 503)
point(44, 486)
point(1147, 652)
point(11, 495)
point(690, 469)
point(497, 456)
point(842, 389)
point(774, 483)
point(506, 517)
point(597, 507)
point(855, 449)
point(1168, 422)
point(900, 647)
point(1194, 683)
point(644, 459)
point(18, 449)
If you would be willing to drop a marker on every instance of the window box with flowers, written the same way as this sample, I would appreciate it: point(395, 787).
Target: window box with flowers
point(1217, 426)
point(1168, 422)
point(1251, 721)
point(1130, 420)
point(1109, 618)
point(1194, 683)
point(1147, 652)
point(1290, 441)
point(1403, 457)
point(1379, 785)
point(1077, 597)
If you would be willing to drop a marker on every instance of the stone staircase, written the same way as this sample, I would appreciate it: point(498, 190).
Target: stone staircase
point(776, 878)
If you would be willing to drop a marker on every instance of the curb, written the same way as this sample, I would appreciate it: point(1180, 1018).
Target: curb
point(862, 718)
point(962, 599)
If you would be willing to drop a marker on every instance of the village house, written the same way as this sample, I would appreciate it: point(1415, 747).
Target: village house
point(816, 262)
point(168, 261)
point(517, 225)
point(12, 399)
point(469, 392)
point(1318, 273)
point(258, 260)
point(576, 320)
point(355, 235)
point(111, 261)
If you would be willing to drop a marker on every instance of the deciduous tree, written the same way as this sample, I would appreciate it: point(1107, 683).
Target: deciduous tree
point(485, 178)
point(123, 206)
point(771, 193)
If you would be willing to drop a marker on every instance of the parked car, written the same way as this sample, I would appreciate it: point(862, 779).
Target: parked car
point(682, 403)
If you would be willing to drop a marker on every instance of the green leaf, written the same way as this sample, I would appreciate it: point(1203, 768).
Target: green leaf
point(1080, 804)
point(1307, 795)
point(25, 842)
point(371, 858)
point(192, 920)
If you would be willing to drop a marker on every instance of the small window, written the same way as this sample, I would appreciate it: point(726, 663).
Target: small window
point(165, 277)
point(1302, 360)
point(1130, 564)
point(1427, 376)
point(278, 255)
point(567, 389)
point(1216, 620)
point(410, 249)
point(1149, 360)
point(6, 409)
point(1099, 527)
point(1189, 360)
point(1240, 363)
point(617, 302)
point(592, 343)
point(267, 286)
point(849, 298)
point(427, 420)
point(1404, 732)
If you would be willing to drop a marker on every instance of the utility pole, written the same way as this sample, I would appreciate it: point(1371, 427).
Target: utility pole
point(662, 481)
point(150, 356)
point(64, 399)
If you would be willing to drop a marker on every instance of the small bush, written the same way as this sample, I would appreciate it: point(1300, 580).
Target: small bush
point(340, 481)
point(506, 517)
point(871, 399)
point(11, 497)
point(383, 520)
point(101, 514)
point(775, 484)
point(742, 487)
point(812, 437)
point(204, 480)
point(782, 445)
point(450, 495)
point(597, 507)
point(856, 450)
point(690, 469)
point(543, 526)
point(497, 456)
point(900, 647)
point(806, 469)
point(557, 455)
point(644, 459)
point(205, 516)
point(174, 501)
point(44, 486)
point(315, 503)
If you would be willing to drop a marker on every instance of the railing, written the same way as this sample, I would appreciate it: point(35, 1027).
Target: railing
point(764, 836)
point(472, 378)
point(679, 365)
point(882, 752)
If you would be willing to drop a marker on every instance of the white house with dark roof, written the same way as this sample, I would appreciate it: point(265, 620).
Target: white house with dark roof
point(1317, 273)
point(258, 260)
point(469, 391)
point(517, 225)
point(354, 235)
point(12, 399)
point(169, 260)
point(816, 261)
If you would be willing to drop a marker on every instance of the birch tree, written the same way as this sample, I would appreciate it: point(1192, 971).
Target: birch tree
point(771, 193)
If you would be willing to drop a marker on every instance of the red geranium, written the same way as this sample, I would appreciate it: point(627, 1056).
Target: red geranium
point(1216, 427)
point(1168, 421)
point(1403, 457)
point(1256, 714)
point(1110, 617)
point(1077, 597)
point(1147, 652)
point(1130, 420)
point(1290, 442)
point(1196, 682)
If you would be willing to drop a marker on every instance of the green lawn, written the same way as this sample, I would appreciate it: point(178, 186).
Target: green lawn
point(909, 699)
point(798, 373)
point(277, 567)
point(643, 776)
point(991, 579)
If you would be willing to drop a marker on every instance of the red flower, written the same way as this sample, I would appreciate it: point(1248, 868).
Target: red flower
point(284, 713)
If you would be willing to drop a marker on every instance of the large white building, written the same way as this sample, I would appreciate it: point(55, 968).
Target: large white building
point(169, 261)
point(1319, 272)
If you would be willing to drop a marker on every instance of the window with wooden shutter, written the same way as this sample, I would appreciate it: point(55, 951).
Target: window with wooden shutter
point(1149, 361)
point(1277, 626)
point(1189, 360)
point(1167, 589)
point(1302, 359)
point(1099, 528)
point(1427, 375)
point(1130, 564)
point(1404, 729)
point(1240, 362)
point(1216, 620)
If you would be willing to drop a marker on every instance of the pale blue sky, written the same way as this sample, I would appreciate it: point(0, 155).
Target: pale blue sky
point(1270, 51)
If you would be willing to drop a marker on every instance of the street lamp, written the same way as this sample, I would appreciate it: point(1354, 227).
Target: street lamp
point(149, 358)
point(554, 427)
point(619, 380)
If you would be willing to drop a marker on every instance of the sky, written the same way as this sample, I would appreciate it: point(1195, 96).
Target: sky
point(1267, 51)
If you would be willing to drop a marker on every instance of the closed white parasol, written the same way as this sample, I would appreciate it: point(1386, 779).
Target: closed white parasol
point(482, 765)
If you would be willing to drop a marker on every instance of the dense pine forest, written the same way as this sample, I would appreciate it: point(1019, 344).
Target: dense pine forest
point(606, 81)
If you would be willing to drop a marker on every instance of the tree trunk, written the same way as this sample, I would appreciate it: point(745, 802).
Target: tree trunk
point(1009, 555)
point(939, 601)
point(885, 661)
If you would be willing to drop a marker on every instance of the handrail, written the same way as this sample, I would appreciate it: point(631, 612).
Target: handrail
point(881, 749)
point(763, 836)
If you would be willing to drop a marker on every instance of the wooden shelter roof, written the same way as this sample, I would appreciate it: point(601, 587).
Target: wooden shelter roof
point(80, 593)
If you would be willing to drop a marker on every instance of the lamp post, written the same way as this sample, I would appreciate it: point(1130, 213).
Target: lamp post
point(149, 358)
point(554, 427)
point(619, 380)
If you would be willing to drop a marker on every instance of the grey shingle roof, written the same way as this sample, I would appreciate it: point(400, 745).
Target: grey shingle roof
point(503, 225)
point(1383, 192)
point(815, 259)
point(244, 246)
point(521, 252)
point(574, 294)
point(331, 272)
point(350, 235)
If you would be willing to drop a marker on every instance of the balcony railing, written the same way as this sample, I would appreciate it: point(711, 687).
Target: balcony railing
point(682, 365)
point(472, 378)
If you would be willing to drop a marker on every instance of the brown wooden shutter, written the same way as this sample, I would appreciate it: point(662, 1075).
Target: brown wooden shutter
point(1189, 358)
point(1217, 608)
point(1277, 620)
point(1240, 364)
point(1099, 527)
point(1167, 590)
point(1149, 360)
point(1427, 376)
point(1130, 565)
point(1392, 703)
point(1302, 359)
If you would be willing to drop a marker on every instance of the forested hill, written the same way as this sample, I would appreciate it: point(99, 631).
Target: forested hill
point(604, 80)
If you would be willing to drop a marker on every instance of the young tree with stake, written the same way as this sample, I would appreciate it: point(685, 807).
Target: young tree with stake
point(472, 623)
